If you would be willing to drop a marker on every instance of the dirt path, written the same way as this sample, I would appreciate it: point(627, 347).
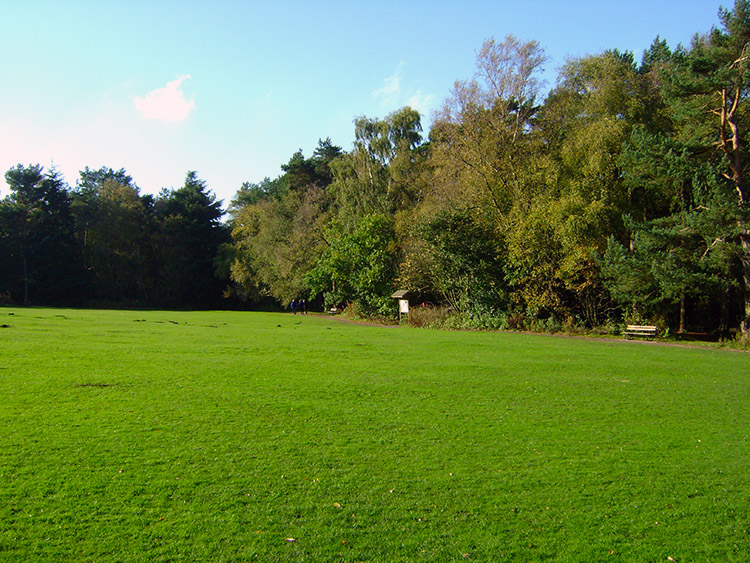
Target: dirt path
point(357, 322)
point(584, 337)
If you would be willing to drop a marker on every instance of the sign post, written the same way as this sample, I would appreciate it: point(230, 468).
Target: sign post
point(403, 302)
point(403, 308)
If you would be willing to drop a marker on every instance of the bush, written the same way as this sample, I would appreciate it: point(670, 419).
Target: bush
point(428, 317)
point(478, 318)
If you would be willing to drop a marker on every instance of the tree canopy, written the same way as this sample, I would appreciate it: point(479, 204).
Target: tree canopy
point(619, 194)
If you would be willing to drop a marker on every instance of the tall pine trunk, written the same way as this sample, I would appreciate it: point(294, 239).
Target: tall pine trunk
point(730, 146)
point(682, 310)
point(745, 258)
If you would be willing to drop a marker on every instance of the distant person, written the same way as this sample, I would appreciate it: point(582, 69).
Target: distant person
point(303, 306)
point(293, 306)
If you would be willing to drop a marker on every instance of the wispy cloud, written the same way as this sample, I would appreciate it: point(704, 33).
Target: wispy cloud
point(394, 93)
point(167, 104)
point(391, 87)
point(421, 102)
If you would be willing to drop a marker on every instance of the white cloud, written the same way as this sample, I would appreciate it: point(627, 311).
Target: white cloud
point(167, 104)
point(391, 87)
point(421, 102)
point(395, 94)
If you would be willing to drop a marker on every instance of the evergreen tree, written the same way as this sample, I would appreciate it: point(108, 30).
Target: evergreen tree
point(115, 226)
point(42, 258)
point(708, 86)
point(190, 235)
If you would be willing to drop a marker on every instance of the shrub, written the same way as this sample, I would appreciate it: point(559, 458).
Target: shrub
point(428, 317)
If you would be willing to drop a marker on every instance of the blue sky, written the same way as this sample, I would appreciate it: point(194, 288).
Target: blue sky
point(232, 89)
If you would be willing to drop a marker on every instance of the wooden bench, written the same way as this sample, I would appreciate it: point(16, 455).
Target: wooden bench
point(639, 331)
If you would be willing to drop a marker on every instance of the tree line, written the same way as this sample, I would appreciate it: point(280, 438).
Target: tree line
point(103, 243)
point(618, 197)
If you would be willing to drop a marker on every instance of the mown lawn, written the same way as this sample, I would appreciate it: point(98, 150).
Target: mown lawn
point(228, 436)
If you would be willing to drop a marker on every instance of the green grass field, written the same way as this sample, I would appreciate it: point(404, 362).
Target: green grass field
point(228, 436)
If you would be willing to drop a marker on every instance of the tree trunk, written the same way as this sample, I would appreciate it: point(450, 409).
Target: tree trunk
point(25, 282)
point(730, 145)
point(724, 320)
point(745, 258)
point(682, 311)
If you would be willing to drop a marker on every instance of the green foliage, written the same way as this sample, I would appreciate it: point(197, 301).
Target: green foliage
point(373, 178)
point(115, 225)
point(250, 194)
point(278, 241)
point(190, 234)
point(660, 175)
point(358, 267)
point(464, 269)
point(39, 252)
point(557, 181)
point(105, 242)
point(299, 173)
point(672, 258)
point(623, 193)
point(382, 140)
point(484, 131)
